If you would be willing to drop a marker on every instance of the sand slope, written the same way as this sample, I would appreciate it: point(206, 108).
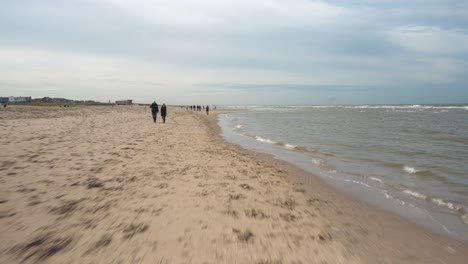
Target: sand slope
point(106, 185)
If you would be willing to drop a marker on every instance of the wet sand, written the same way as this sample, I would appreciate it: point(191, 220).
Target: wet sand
point(107, 185)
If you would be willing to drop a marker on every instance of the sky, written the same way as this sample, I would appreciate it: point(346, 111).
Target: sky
point(242, 52)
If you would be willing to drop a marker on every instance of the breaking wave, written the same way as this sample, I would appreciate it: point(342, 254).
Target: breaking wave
point(410, 170)
point(265, 140)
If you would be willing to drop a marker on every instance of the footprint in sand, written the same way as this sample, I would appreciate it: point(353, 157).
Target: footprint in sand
point(253, 213)
point(242, 236)
point(288, 217)
point(26, 190)
point(66, 207)
point(42, 247)
point(289, 203)
point(237, 196)
point(103, 242)
point(232, 213)
point(133, 229)
point(94, 183)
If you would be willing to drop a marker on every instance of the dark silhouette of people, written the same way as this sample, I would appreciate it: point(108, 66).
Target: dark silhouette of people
point(207, 110)
point(154, 110)
point(163, 113)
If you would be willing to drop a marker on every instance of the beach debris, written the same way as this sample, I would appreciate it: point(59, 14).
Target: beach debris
point(3, 201)
point(243, 236)
point(245, 186)
point(289, 204)
point(134, 229)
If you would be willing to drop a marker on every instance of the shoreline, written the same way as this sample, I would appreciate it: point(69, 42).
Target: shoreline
point(106, 184)
point(439, 215)
point(310, 181)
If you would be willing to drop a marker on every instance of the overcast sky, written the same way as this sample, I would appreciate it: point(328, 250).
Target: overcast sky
point(242, 52)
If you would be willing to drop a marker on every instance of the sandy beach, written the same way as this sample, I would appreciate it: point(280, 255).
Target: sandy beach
point(107, 185)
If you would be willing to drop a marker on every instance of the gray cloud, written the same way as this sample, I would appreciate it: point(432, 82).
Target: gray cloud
point(353, 50)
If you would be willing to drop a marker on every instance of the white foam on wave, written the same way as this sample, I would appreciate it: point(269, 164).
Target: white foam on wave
point(289, 146)
point(414, 106)
point(410, 170)
point(443, 203)
point(265, 140)
point(323, 165)
point(391, 107)
point(239, 126)
point(360, 183)
point(376, 179)
point(465, 218)
point(317, 162)
point(388, 196)
point(415, 194)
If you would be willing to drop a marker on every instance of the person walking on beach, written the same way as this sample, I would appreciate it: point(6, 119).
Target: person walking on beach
point(207, 110)
point(154, 110)
point(163, 113)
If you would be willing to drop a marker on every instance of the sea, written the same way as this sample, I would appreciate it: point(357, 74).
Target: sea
point(411, 160)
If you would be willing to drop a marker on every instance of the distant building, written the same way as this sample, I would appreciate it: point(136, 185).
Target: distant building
point(61, 100)
point(20, 99)
point(52, 100)
point(124, 102)
point(4, 100)
point(46, 100)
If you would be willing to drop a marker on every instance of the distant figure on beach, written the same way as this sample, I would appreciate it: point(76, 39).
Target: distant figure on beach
point(154, 110)
point(163, 113)
point(207, 110)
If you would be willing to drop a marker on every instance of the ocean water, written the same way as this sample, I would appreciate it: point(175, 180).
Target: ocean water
point(411, 160)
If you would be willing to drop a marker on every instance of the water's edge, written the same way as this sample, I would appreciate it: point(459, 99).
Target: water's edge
point(371, 191)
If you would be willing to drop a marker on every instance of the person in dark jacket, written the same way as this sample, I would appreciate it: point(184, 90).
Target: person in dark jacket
point(163, 113)
point(207, 110)
point(154, 110)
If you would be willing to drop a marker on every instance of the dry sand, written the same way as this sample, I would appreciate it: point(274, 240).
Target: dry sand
point(107, 185)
